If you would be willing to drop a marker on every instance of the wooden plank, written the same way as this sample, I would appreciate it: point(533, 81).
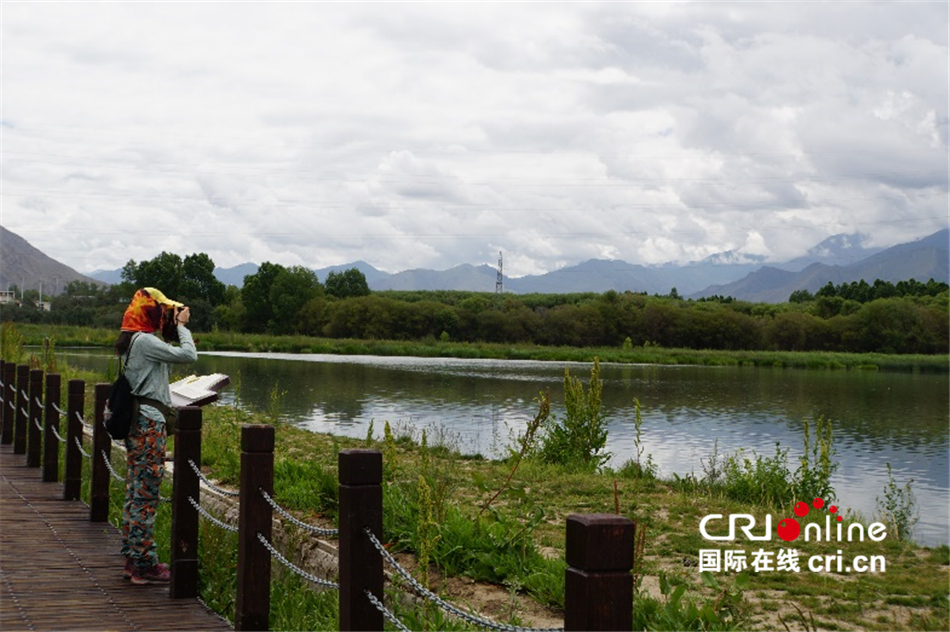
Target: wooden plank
point(60, 571)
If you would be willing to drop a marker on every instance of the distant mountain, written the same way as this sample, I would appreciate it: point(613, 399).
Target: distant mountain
point(594, 275)
point(235, 275)
point(373, 276)
point(465, 277)
point(27, 268)
point(109, 277)
point(924, 259)
point(837, 250)
point(840, 258)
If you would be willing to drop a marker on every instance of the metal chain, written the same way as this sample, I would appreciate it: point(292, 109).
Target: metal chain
point(299, 523)
point(299, 571)
point(36, 422)
point(105, 457)
point(25, 395)
point(81, 451)
point(12, 404)
point(24, 411)
point(386, 613)
point(201, 510)
point(425, 592)
point(55, 432)
point(207, 482)
point(82, 421)
point(62, 413)
point(38, 402)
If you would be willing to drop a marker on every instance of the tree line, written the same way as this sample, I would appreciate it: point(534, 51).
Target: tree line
point(906, 317)
point(863, 292)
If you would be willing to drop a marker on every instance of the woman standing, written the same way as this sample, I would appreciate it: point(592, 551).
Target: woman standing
point(146, 367)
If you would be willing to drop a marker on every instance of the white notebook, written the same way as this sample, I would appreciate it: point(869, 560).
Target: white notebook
point(198, 390)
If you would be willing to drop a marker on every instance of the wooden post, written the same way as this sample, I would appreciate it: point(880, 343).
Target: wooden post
point(9, 402)
point(598, 591)
point(34, 436)
point(19, 426)
point(184, 553)
point(50, 442)
point(76, 402)
point(361, 566)
point(252, 610)
point(101, 450)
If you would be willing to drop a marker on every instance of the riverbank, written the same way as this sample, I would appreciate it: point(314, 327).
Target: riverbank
point(480, 548)
point(63, 336)
point(504, 554)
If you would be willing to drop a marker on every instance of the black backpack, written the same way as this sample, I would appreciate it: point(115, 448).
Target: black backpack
point(120, 407)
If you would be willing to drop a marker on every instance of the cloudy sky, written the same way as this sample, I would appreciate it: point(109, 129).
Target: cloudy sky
point(434, 134)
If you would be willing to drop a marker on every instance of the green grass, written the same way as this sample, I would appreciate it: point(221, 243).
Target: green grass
point(65, 336)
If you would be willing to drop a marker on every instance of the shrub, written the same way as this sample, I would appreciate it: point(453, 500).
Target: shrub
point(578, 438)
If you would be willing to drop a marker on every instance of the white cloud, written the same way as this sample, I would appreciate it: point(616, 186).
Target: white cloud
point(430, 135)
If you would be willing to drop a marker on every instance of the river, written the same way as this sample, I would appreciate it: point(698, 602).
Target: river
point(688, 412)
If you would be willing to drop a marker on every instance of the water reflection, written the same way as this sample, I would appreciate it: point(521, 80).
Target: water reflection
point(687, 411)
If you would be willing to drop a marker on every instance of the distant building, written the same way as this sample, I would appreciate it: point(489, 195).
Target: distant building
point(7, 297)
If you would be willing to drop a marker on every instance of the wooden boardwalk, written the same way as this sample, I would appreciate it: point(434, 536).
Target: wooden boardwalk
point(59, 571)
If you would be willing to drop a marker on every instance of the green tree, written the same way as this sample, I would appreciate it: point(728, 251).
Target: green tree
point(346, 284)
point(256, 297)
point(291, 289)
point(198, 280)
point(162, 272)
point(800, 296)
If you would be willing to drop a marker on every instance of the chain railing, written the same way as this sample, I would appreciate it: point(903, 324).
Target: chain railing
point(362, 556)
point(204, 479)
point(300, 523)
point(207, 516)
point(108, 461)
point(56, 434)
point(82, 420)
point(385, 612)
point(422, 591)
point(85, 454)
point(310, 577)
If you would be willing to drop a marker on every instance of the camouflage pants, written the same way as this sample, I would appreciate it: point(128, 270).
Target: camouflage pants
point(146, 467)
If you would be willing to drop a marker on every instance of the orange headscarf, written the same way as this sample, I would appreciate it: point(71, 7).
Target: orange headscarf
point(144, 313)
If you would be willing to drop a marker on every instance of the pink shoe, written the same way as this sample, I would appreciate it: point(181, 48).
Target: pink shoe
point(158, 574)
point(129, 565)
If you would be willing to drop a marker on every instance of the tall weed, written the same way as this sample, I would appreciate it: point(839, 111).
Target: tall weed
point(11, 343)
point(898, 507)
point(770, 481)
point(817, 464)
point(578, 439)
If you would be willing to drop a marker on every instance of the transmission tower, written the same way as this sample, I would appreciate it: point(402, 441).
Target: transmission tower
point(500, 279)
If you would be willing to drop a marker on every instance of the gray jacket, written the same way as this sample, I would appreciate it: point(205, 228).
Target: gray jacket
point(147, 368)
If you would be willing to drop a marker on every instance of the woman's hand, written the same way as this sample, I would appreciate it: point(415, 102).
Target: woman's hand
point(184, 315)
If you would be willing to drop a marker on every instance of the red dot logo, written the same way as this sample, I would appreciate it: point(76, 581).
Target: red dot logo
point(818, 504)
point(788, 529)
point(801, 509)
